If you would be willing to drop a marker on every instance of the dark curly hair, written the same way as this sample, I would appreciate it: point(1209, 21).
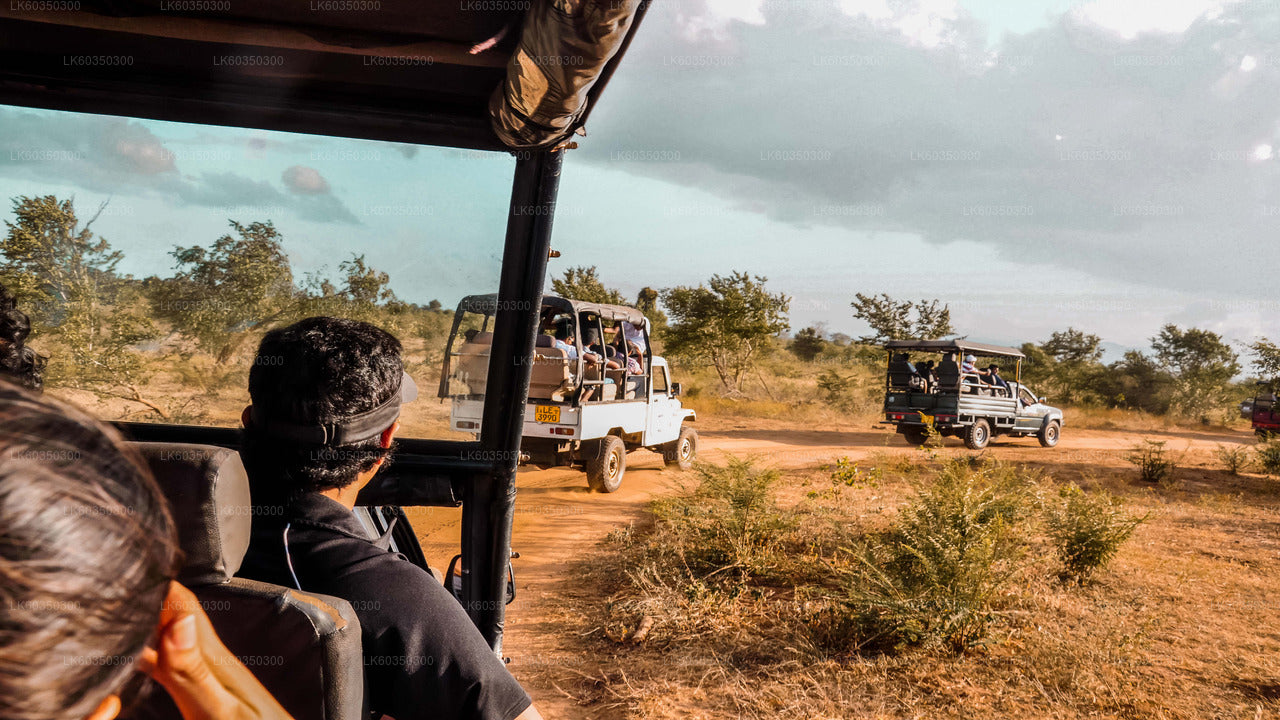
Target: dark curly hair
point(18, 363)
point(87, 550)
point(318, 370)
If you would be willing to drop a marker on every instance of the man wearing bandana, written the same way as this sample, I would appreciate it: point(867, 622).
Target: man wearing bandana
point(326, 396)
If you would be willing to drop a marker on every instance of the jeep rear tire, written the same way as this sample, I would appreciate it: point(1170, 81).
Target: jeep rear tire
point(1049, 434)
point(915, 435)
point(606, 462)
point(977, 435)
point(682, 451)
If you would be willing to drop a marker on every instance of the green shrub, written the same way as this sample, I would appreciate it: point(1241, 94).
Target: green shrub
point(1268, 453)
point(847, 473)
point(729, 521)
point(932, 578)
point(1153, 461)
point(1088, 529)
point(1235, 458)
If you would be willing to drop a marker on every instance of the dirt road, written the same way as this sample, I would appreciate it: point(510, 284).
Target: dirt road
point(557, 516)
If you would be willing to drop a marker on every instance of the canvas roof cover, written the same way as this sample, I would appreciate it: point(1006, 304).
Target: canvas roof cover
point(958, 346)
point(482, 74)
point(488, 304)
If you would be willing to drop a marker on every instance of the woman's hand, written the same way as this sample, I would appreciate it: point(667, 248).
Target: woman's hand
point(203, 677)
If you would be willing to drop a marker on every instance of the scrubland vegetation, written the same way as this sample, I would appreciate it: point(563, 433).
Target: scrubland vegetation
point(922, 583)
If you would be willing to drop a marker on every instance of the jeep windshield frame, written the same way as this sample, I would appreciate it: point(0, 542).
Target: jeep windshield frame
point(348, 75)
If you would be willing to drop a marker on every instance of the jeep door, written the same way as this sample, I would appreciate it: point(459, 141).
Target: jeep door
point(664, 420)
point(1031, 412)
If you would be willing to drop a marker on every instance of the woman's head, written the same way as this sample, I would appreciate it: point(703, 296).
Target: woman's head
point(87, 551)
point(18, 363)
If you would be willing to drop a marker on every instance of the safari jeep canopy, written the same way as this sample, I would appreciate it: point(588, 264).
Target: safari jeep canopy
point(488, 304)
point(956, 346)
point(479, 74)
point(482, 74)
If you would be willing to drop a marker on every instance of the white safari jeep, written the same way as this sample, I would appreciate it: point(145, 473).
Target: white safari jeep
point(596, 392)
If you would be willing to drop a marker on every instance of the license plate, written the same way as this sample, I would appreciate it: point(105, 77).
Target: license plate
point(547, 414)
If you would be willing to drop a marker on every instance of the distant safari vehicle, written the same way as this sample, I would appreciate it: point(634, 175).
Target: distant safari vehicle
point(579, 410)
point(1262, 412)
point(972, 406)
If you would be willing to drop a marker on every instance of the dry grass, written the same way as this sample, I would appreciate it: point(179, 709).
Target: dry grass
point(1180, 626)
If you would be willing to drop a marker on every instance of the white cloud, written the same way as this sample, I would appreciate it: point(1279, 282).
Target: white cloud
point(747, 11)
point(1130, 18)
point(927, 23)
point(305, 180)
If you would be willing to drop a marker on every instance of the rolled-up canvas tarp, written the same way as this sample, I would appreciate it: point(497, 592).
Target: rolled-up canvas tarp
point(563, 49)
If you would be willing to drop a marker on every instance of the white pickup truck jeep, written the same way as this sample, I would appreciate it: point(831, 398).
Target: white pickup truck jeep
point(586, 405)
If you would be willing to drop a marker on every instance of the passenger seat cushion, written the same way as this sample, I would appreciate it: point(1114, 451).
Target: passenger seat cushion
point(208, 492)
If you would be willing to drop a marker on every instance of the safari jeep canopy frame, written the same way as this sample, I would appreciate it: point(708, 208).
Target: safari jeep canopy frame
point(499, 76)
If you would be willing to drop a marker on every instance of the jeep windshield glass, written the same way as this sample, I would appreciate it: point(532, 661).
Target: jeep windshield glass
point(152, 256)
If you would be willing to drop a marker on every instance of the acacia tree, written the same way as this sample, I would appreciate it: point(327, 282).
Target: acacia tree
point(893, 320)
point(1266, 359)
point(1202, 366)
point(365, 294)
point(219, 295)
point(1066, 366)
point(583, 283)
point(93, 316)
point(808, 344)
point(725, 322)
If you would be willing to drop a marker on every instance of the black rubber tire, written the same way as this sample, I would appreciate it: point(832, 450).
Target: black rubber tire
point(915, 436)
point(1049, 434)
point(605, 461)
point(977, 435)
point(682, 451)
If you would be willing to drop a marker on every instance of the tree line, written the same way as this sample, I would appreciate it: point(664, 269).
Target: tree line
point(730, 321)
point(97, 322)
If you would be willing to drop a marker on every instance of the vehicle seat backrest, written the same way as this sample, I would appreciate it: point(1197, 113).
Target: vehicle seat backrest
point(545, 341)
point(471, 367)
point(900, 374)
point(549, 377)
point(948, 372)
point(303, 647)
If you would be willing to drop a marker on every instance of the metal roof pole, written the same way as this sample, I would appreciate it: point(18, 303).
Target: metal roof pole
point(489, 501)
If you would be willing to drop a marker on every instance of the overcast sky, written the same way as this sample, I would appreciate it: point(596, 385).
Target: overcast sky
point(1110, 165)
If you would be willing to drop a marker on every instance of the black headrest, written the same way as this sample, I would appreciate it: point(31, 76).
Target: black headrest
point(544, 341)
point(208, 490)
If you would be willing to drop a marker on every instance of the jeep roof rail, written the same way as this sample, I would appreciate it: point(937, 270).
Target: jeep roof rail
point(957, 346)
point(486, 304)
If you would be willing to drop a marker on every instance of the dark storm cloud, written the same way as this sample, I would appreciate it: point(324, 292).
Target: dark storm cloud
point(123, 157)
point(1141, 160)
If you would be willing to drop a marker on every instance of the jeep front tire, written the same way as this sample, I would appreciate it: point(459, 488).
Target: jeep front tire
point(682, 451)
point(1049, 434)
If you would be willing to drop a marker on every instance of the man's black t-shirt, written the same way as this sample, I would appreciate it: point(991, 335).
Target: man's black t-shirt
point(423, 657)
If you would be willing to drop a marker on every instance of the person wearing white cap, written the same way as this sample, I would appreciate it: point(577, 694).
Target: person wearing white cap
point(969, 367)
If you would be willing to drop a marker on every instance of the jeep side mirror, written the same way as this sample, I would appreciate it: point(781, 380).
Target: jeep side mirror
point(1041, 399)
point(676, 390)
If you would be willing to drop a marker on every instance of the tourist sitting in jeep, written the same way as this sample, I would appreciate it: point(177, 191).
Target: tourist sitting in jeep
point(964, 401)
point(324, 412)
